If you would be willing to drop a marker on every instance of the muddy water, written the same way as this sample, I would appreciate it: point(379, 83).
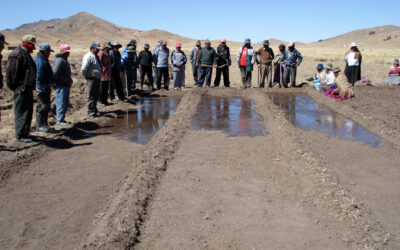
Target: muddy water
point(306, 114)
point(234, 115)
point(140, 124)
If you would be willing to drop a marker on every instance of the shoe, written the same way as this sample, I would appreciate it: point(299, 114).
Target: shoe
point(176, 89)
point(93, 114)
point(166, 87)
point(24, 140)
point(62, 124)
point(100, 104)
point(42, 129)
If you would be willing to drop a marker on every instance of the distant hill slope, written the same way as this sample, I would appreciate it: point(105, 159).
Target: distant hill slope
point(379, 37)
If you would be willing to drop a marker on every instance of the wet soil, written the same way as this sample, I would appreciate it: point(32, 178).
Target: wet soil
point(303, 112)
point(184, 188)
point(233, 115)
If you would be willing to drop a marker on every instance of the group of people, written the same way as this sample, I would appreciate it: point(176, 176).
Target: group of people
point(25, 74)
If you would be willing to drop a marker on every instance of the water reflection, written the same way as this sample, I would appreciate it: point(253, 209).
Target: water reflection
point(306, 114)
point(233, 115)
point(140, 124)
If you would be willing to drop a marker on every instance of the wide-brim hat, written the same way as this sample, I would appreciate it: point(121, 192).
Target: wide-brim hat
point(107, 44)
point(353, 44)
point(329, 66)
point(320, 66)
point(198, 43)
point(396, 61)
point(116, 44)
point(247, 40)
point(336, 69)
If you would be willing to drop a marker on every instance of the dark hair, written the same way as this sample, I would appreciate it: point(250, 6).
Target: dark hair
point(282, 46)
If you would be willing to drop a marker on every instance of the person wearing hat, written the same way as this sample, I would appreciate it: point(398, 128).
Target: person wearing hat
point(105, 79)
point(293, 59)
point(116, 82)
point(129, 63)
point(279, 66)
point(44, 81)
point(319, 76)
point(266, 56)
point(130, 83)
point(161, 60)
point(178, 60)
point(353, 60)
point(394, 74)
point(2, 43)
point(246, 58)
point(146, 66)
point(223, 63)
point(91, 69)
point(341, 88)
point(63, 79)
point(21, 78)
point(194, 54)
point(206, 60)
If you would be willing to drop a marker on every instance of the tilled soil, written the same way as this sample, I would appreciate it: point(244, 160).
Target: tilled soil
point(202, 189)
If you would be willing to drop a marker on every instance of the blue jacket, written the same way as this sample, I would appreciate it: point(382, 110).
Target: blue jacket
point(129, 62)
point(178, 57)
point(161, 57)
point(293, 59)
point(44, 74)
point(154, 53)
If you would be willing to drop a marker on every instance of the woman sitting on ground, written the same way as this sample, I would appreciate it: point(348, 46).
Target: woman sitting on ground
point(329, 78)
point(394, 74)
point(341, 89)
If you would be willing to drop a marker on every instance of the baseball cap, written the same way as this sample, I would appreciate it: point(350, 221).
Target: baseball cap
point(45, 47)
point(247, 40)
point(95, 45)
point(65, 47)
point(29, 39)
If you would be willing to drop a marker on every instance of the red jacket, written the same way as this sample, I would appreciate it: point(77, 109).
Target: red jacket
point(394, 70)
point(105, 60)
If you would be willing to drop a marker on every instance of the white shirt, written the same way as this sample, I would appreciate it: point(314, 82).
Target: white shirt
point(329, 78)
point(350, 58)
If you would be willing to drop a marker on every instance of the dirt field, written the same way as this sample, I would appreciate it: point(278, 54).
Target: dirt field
point(82, 187)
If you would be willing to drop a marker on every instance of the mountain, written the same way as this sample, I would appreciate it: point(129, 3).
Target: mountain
point(83, 28)
point(379, 37)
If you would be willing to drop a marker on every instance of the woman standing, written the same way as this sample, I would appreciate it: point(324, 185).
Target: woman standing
point(279, 67)
point(353, 64)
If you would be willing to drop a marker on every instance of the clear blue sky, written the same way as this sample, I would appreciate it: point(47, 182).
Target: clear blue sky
point(288, 20)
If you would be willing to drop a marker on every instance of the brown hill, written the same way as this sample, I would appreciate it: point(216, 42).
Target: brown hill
point(379, 37)
point(81, 29)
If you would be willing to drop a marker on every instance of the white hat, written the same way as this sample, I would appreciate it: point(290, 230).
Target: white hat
point(353, 44)
point(291, 44)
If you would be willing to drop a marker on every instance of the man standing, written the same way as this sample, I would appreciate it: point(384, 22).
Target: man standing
point(128, 63)
point(105, 60)
point(146, 62)
point(132, 72)
point(178, 60)
point(193, 58)
point(44, 81)
point(246, 58)
point(62, 75)
point(21, 78)
point(2, 43)
point(206, 60)
point(161, 62)
point(91, 70)
point(266, 55)
point(293, 60)
point(116, 82)
point(223, 63)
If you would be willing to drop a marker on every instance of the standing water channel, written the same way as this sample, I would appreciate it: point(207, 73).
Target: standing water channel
point(303, 112)
point(233, 115)
point(140, 124)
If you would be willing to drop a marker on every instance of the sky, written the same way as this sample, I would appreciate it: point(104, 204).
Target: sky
point(304, 21)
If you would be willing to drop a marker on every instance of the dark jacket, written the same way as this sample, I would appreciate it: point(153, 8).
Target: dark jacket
point(207, 56)
point(62, 71)
point(21, 69)
point(129, 61)
point(1, 73)
point(115, 61)
point(145, 58)
point(44, 75)
point(223, 56)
